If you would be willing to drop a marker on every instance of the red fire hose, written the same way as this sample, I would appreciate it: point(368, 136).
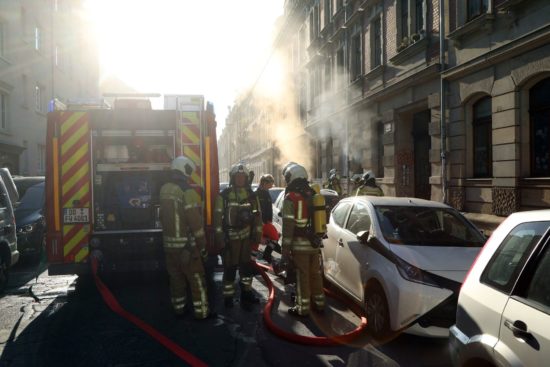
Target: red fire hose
point(302, 339)
point(113, 304)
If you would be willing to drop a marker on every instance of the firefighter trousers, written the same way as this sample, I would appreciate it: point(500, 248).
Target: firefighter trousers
point(237, 256)
point(184, 266)
point(309, 281)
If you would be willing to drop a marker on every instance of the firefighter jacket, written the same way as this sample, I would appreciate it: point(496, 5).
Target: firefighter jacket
point(181, 217)
point(297, 229)
point(266, 205)
point(369, 190)
point(237, 216)
point(334, 184)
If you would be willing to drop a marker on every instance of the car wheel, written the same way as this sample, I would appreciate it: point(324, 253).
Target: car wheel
point(4, 274)
point(376, 305)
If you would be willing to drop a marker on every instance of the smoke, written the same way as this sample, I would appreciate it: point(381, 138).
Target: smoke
point(308, 117)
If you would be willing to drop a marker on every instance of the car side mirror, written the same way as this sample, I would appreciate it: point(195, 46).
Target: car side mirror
point(363, 237)
point(279, 215)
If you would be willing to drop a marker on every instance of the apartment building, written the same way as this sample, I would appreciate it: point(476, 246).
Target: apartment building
point(46, 54)
point(370, 81)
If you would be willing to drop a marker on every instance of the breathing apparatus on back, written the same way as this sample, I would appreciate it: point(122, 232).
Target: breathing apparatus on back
point(313, 203)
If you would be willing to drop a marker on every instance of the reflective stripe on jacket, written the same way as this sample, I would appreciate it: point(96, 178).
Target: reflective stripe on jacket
point(181, 217)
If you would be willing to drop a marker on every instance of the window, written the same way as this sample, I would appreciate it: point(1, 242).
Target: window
point(359, 219)
point(41, 158)
point(24, 91)
point(482, 134)
point(340, 68)
point(58, 56)
point(356, 57)
point(419, 15)
point(539, 110)
point(476, 8)
point(411, 21)
point(539, 287)
point(327, 11)
point(380, 147)
point(339, 213)
point(328, 81)
point(38, 98)
point(504, 267)
point(314, 23)
point(2, 38)
point(376, 43)
point(404, 18)
point(3, 111)
point(37, 38)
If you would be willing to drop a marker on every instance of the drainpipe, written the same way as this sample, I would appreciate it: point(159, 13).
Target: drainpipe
point(442, 91)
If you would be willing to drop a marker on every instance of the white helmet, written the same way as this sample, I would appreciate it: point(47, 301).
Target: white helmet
point(368, 176)
point(294, 172)
point(184, 165)
point(286, 166)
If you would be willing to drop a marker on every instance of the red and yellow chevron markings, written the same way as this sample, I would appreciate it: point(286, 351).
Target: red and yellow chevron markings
point(190, 135)
point(75, 180)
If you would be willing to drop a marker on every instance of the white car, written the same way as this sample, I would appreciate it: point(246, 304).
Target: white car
point(503, 315)
point(402, 259)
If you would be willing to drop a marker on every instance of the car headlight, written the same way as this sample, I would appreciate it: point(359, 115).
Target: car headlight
point(412, 273)
point(27, 228)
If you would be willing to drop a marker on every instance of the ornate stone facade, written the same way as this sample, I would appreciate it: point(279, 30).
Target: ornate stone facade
point(505, 200)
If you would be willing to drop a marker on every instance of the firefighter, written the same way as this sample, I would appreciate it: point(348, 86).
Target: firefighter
point(301, 243)
point(334, 181)
point(368, 185)
point(238, 225)
point(184, 239)
point(266, 206)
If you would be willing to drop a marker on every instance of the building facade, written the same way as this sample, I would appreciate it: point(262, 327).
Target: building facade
point(46, 53)
point(370, 81)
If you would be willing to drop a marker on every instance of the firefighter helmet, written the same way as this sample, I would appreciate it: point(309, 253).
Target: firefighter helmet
point(368, 177)
point(238, 168)
point(294, 172)
point(287, 166)
point(183, 165)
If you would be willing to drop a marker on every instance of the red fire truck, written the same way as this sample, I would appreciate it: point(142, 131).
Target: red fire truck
point(105, 167)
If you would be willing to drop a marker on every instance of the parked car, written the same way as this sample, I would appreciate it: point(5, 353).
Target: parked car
point(9, 255)
point(10, 185)
point(223, 186)
point(31, 224)
point(24, 182)
point(402, 259)
point(274, 193)
point(503, 315)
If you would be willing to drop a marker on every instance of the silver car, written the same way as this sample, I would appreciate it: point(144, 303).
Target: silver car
point(503, 315)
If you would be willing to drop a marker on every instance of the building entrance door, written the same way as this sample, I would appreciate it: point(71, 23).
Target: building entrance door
point(422, 146)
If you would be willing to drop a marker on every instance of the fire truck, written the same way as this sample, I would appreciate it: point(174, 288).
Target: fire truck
point(105, 167)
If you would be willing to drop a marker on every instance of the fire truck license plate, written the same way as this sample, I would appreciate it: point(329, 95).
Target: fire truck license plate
point(76, 215)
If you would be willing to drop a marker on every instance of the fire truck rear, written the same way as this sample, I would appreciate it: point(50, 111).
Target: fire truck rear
point(105, 170)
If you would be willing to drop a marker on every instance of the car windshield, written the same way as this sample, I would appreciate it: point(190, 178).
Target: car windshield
point(33, 198)
point(425, 226)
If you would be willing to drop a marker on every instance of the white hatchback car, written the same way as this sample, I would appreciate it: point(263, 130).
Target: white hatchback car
point(402, 259)
point(503, 315)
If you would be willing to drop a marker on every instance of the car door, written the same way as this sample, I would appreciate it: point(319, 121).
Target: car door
point(350, 253)
point(525, 323)
point(338, 217)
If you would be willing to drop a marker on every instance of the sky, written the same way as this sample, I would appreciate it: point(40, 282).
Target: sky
point(212, 47)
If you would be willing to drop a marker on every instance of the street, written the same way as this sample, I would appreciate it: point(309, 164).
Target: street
point(57, 321)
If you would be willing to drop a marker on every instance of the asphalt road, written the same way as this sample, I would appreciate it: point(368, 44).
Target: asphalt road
point(59, 321)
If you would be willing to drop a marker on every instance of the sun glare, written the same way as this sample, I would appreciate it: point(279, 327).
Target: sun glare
point(215, 47)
